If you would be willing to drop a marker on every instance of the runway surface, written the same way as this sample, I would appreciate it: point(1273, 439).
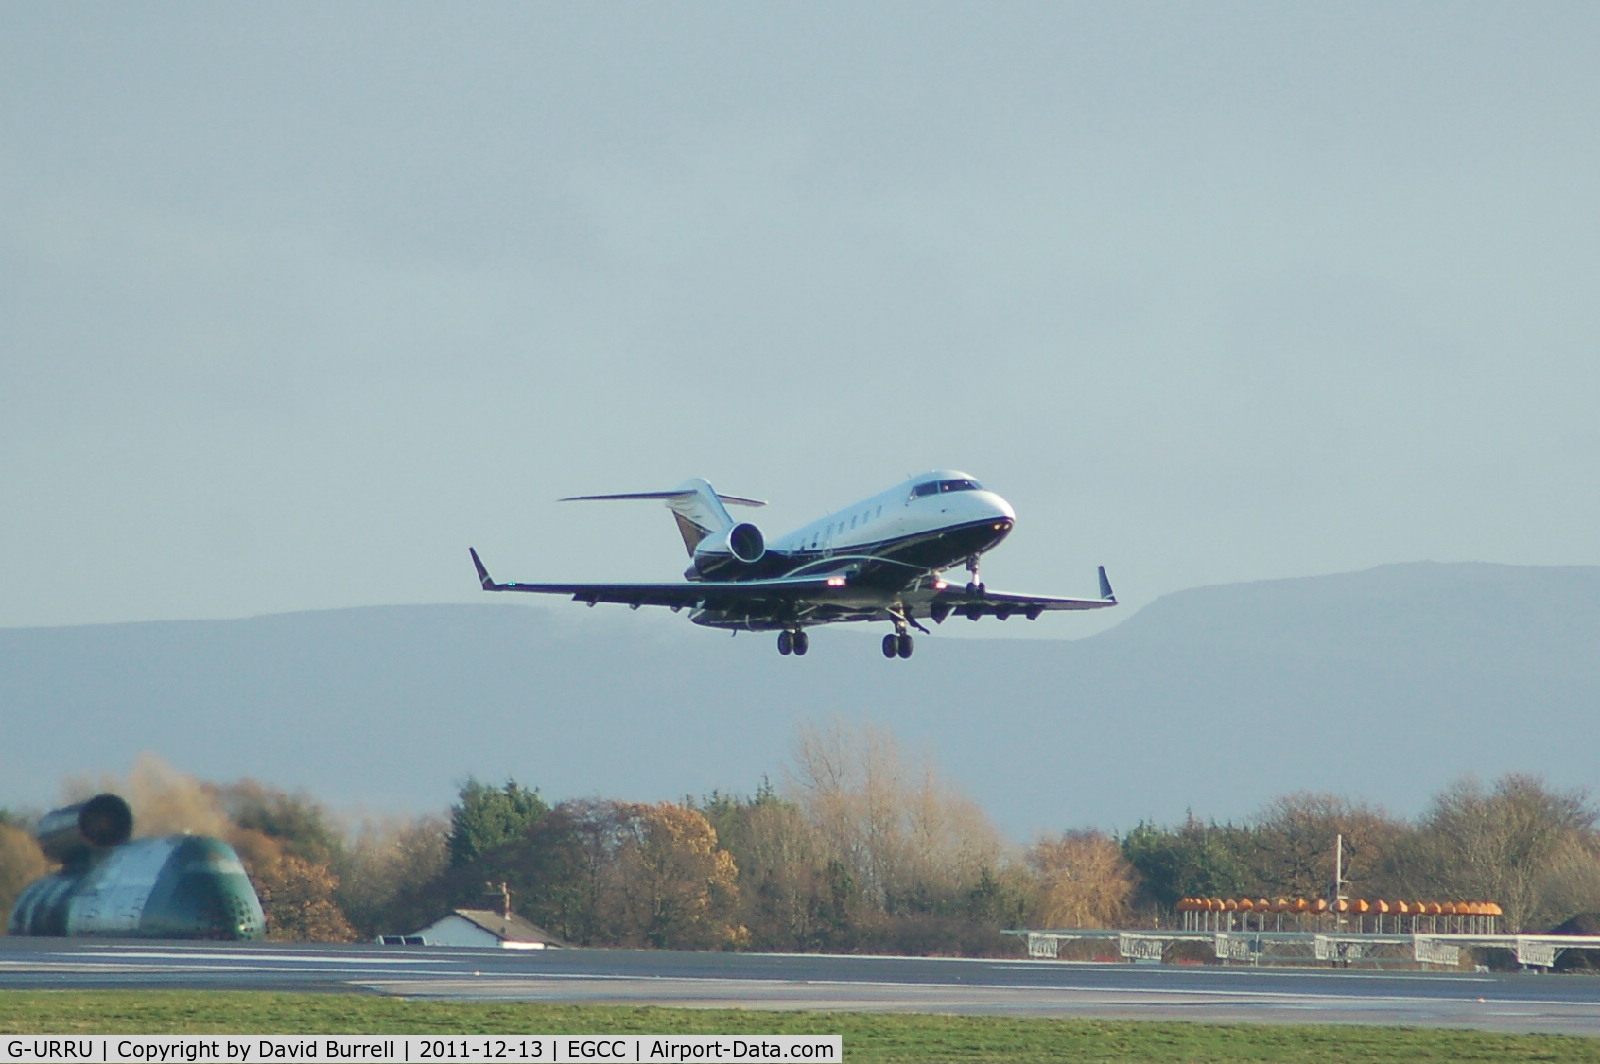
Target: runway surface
point(1503, 1002)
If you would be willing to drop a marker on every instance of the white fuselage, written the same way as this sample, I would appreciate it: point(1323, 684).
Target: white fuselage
point(898, 514)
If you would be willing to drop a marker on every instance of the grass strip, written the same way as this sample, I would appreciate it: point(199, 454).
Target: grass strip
point(869, 1038)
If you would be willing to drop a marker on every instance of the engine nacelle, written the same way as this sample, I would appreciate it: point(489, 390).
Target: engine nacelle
point(70, 834)
point(738, 547)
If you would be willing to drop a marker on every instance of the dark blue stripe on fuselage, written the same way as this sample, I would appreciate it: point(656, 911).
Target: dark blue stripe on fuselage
point(891, 564)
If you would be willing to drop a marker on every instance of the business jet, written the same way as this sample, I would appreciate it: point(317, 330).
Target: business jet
point(881, 559)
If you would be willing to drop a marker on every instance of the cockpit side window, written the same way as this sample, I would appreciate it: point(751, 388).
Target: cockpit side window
point(925, 489)
point(957, 485)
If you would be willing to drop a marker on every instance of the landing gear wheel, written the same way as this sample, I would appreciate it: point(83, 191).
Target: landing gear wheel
point(786, 643)
point(904, 644)
point(802, 643)
point(891, 645)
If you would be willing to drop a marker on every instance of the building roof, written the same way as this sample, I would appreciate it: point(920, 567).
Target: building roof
point(512, 928)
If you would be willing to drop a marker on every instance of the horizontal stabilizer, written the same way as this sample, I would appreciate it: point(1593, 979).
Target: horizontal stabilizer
point(679, 493)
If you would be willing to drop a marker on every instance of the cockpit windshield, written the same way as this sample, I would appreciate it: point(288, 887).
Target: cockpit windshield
point(937, 487)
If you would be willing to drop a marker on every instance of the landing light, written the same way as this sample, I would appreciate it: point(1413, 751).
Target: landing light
point(836, 581)
point(939, 585)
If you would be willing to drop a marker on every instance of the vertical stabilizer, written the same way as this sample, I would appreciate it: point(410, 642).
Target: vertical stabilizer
point(698, 511)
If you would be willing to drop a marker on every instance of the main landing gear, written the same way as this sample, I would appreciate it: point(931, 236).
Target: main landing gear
point(898, 644)
point(794, 642)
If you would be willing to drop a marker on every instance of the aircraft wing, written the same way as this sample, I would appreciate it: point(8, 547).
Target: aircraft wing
point(1003, 604)
point(715, 594)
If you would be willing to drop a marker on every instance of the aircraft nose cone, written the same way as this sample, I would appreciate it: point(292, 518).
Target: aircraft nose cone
point(994, 513)
point(999, 508)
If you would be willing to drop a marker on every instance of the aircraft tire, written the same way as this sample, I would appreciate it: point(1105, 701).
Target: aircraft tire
point(802, 643)
point(891, 645)
point(904, 644)
point(785, 642)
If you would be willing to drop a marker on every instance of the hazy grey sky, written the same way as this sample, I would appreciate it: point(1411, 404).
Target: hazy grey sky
point(298, 301)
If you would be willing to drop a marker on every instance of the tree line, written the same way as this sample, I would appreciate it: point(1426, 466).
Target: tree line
point(861, 849)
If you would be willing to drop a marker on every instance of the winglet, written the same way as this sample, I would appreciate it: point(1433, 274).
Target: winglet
point(1105, 585)
point(487, 582)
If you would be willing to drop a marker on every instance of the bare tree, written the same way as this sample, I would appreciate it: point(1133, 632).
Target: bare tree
point(1082, 881)
point(1517, 843)
point(901, 833)
point(1571, 886)
point(1295, 840)
point(783, 886)
point(850, 784)
point(383, 865)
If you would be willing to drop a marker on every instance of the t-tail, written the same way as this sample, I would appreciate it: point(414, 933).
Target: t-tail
point(696, 506)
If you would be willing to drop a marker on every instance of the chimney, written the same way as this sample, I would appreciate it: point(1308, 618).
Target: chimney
point(505, 900)
point(503, 889)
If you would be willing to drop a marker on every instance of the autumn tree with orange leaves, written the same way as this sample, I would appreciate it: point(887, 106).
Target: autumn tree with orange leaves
point(21, 862)
point(670, 885)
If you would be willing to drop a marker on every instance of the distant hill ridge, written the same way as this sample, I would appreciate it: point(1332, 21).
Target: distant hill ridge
point(1383, 685)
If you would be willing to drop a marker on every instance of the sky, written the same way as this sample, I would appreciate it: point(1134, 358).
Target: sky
point(298, 301)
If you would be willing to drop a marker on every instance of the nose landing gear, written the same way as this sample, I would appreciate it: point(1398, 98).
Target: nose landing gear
point(974, 582)
point(794, 642)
